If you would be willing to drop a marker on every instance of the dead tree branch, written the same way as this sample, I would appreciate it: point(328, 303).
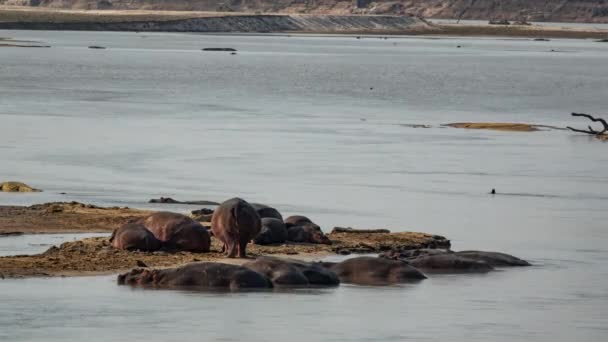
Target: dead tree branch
point(591, 130)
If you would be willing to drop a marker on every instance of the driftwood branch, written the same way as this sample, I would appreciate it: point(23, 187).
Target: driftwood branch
point(591, 130)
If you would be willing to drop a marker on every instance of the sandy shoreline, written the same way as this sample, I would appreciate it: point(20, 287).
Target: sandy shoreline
point(95, 256)
point(182, 21)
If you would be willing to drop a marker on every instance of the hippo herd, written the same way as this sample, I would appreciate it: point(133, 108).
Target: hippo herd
point(271, 272)
point(234, 222)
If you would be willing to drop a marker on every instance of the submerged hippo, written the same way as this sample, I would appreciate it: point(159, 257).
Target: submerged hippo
point(178, 231)
point(289, 272)
point(374, 271)
point(235, 222)
point(273, 231)
point(134, 236)
point(307, 233)
point(206, 275)
point(494, 258)
point(266, 211)
point(408, 254)
point(449, 263)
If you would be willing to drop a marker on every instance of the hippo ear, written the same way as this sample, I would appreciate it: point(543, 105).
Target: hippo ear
point(113, 235)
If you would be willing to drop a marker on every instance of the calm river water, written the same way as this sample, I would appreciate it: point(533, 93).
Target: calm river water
point(318, 125)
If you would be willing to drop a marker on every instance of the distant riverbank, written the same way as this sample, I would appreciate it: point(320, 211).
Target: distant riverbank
point(181, 21)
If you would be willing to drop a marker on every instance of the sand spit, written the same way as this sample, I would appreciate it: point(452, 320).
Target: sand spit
point(94, 256)
point(496, 126)
point(64, 217)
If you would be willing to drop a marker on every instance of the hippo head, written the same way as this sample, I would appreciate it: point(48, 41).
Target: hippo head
point(317, 236)
point(136, 277)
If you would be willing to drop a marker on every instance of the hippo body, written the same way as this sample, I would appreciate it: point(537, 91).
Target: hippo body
point(495, 259)
point(449, 263)
point(297, 220)
point(206, 275)
point(273, 231)
point(307, 233)
point(134, 236)
point(374, 271)
point(409, 254)
point(267, 212)
point(235, 222)
point(289, 272)
point(178, 232)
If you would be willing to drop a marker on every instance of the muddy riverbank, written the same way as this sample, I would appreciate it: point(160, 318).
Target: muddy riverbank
point(183, 21)
point(96, 256)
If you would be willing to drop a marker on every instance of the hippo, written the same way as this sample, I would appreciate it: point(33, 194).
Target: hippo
point(178, 232)
point(204, 275)
point(408, 254)
point(307, 233)
point(495, 259)
point(374, 271)
point(449, 263)
point(289, 272)
point(297, 220)
point(266, 211)
point(273, 231)
point(235, 222)
point(134, 236)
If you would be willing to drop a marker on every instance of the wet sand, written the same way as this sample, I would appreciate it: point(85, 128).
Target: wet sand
point(64, 217)
point(497, 126)
point(94, 256)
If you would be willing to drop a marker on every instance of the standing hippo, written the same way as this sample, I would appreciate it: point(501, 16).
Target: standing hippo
point(374, 271)
point(235, 222)
point(266, 211)
point(134, 236)
point(273, 231)
point(205, 275)
point(178, 231)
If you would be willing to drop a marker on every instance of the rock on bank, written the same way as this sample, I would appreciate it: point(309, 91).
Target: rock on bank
point(237, 23)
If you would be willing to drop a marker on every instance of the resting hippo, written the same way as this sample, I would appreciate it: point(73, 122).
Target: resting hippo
point(449, 263)
point(454, 261)
point(308, 233)
point(266, 211)
point(172, 201)
point(374, 271)
point(297, 220)
point(202, 215)
point(408, 254)
point(494, 258)
point(134, 236)
point(235, 222)
point(205, 275)
point(288, 272)
point(273, 231)
point(178, 231)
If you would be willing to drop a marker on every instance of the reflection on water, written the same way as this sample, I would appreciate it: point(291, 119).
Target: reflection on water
point(281, 123)
point(513, 304)
point(37, 243)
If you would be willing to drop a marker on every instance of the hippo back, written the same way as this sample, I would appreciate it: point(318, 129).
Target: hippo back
point(376, 271)
point(134, 236)
point(178, 231)
point(235, 219)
